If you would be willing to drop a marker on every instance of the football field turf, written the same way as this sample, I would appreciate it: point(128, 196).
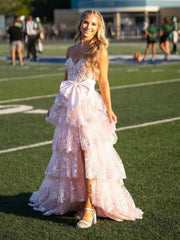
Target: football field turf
point(146, 101)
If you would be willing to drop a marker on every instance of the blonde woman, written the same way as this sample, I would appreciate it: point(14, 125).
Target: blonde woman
point(85, 173)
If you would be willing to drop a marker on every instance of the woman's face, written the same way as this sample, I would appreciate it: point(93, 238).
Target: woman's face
point(89, 26)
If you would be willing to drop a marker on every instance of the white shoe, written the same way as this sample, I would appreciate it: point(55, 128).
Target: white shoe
point(86, 224)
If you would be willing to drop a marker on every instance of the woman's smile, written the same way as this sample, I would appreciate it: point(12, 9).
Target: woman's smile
point(89, 26)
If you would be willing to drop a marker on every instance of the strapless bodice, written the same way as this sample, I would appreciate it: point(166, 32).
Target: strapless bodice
point(78, 71)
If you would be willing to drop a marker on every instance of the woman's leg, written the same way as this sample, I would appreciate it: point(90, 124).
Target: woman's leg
point(147, 51)
point(87, 214)
point(13, 56)
point(153, 51)
point(167, 46)
point(20, 55)
point(163, 47)
point(40, 45)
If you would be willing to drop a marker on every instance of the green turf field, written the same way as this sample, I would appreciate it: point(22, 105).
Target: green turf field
point(150, 154)
point(59, 48)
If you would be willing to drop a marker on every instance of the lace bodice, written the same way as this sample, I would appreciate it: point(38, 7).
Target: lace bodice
point(78, 71)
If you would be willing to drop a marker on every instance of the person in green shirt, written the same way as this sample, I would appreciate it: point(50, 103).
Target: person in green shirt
point(151, 36)
point(175, 28)
point(165, 37)
point(40, 35)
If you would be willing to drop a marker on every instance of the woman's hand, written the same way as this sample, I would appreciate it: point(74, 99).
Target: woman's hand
point(47, 115)
point(112, 116)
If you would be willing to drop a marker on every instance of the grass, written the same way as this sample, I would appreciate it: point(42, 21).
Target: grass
point(150, 154)
point(59, 48)
point(146, 154)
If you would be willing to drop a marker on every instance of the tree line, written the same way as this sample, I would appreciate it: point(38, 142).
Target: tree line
point(41, 8)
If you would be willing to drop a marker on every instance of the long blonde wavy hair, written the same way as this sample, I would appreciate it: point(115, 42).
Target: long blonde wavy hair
point(98, 42)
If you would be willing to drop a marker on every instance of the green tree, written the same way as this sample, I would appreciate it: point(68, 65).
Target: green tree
point(41, 8)
point(23, 7)
point(16, 7)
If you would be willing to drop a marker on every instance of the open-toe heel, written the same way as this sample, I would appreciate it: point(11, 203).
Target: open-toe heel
point(87, 224)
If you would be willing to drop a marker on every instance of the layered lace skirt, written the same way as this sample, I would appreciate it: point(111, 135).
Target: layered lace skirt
point(86, 128)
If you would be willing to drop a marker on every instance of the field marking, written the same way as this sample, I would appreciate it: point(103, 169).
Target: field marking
point(148, 124)
point(132, 70)
point(112, 88)
point(36, 111)
point(26, 147)
point(117, 130)
point(28, 77)
point(9, 109)
point(146, 84)
point(28, 98)
point(157, 70)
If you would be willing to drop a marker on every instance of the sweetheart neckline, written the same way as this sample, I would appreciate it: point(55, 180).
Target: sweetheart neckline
point(74, 62)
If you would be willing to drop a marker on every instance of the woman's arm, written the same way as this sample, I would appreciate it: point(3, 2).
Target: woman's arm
point(147, 34)
point(104, 83)
point(65, 77)
point(67, 56)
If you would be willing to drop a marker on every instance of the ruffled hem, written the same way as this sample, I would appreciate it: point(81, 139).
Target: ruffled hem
point(58, 196)
point(63, 188)
point(110, 198)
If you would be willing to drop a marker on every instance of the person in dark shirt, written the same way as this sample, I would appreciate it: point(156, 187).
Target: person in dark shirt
point(151, 36)
point(15, 34)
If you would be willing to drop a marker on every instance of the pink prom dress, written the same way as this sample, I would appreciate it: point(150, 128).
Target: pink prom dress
point(82, 124)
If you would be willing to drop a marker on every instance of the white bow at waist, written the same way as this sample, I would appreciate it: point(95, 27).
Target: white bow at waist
point(74, 91)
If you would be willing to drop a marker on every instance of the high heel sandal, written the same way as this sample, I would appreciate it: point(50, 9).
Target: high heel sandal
point(86, 224)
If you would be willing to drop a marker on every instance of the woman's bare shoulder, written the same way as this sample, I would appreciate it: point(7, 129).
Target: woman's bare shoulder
point(70, 50)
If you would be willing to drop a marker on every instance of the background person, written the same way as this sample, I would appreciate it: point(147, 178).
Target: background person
point(31, 31)
point(16, 43)
point(151, 33)
point(110, 30)
point(165, 37)
point(175, 28)
point(40, 35)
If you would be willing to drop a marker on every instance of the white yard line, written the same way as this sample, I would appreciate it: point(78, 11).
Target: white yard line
point(28, 77)
point(118, 129)
point(26, 147)
point(112, 88)
point(148, 124)
point(146, 84)
point(28, 98)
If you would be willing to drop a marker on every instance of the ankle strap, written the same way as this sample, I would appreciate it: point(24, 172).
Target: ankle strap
point(90, 209)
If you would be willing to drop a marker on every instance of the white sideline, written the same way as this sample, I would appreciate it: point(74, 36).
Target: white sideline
point(118, 129)
point(26, 147)
point(146, 84)
point(112, 88)
point(28, 98)
point(34, 76)
point(148, 124)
